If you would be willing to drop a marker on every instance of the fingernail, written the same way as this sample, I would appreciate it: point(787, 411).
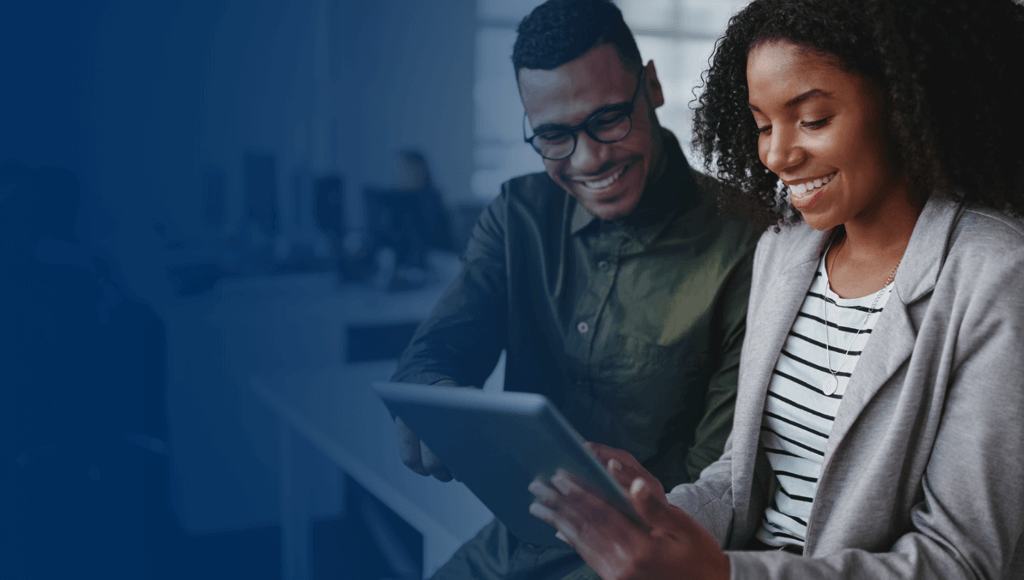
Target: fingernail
point(638, 484)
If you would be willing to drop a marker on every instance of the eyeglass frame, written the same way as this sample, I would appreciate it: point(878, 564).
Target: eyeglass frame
point(626, 108)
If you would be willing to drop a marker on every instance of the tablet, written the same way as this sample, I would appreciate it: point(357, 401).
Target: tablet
point(497, 443)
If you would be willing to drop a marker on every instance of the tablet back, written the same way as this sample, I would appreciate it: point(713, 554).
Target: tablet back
point(497, 443)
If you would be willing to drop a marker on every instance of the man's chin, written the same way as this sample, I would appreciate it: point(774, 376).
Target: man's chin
point(617, 209)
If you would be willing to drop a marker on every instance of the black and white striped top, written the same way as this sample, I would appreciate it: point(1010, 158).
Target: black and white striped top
point(798, 415)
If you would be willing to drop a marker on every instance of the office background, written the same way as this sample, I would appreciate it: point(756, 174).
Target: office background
point(215, 174)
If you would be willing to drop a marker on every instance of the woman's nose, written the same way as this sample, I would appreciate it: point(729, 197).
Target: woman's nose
point(781, 151)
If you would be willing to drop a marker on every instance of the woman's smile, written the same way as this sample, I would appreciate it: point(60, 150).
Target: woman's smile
point(802, 195)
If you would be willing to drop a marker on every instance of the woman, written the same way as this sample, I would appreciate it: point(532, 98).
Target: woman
point(879, 427)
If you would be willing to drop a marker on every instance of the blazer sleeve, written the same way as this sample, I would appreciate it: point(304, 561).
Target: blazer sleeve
point(460, 341)
point(709, 499)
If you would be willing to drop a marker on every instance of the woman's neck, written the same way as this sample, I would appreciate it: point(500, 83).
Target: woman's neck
point(871, 245)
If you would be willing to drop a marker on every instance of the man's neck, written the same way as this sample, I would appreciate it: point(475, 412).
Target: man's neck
point(658, 165)
point(666, 193)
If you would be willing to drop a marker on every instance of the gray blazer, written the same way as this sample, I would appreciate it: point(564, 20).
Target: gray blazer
point(923, 473)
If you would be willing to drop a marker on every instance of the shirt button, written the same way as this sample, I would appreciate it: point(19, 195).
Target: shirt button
point(602, 265)
point(582, 327)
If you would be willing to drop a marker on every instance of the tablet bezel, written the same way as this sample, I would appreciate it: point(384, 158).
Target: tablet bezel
point(515, 436)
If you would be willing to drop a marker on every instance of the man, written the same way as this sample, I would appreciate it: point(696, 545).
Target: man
point(609, 279)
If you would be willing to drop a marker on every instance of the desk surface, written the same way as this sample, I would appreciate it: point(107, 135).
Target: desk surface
point(223, 440)
point(336, 409)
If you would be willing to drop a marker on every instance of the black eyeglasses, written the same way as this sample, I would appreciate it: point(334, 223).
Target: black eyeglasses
point(605, 125)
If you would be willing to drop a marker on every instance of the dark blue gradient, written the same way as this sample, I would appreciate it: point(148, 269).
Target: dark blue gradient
point(184, 204)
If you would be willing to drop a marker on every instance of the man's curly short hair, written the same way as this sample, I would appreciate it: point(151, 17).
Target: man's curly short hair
point(950, 72)
point(559, 31)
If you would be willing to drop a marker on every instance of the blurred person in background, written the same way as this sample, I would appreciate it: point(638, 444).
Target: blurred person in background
point(418, 221)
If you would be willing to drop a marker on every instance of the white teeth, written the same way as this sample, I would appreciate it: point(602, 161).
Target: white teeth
point(604, 182)
point(803, 188)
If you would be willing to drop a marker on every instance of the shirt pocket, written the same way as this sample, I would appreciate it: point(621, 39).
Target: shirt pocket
point(649, 381)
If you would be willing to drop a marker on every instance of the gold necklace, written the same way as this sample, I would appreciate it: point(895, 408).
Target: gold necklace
point(831, 383)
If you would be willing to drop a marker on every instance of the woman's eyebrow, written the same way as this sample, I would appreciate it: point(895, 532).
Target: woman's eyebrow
point(804, 96)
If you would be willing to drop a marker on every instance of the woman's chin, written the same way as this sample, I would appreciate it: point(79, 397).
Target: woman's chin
point(818, 221)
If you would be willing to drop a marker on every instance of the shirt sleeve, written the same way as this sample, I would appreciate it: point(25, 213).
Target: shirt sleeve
point(460, 341)
point(720, 399)
point(709, 500)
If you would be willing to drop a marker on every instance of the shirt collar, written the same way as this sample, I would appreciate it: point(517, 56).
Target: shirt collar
point(674, 192)
point(581, 218)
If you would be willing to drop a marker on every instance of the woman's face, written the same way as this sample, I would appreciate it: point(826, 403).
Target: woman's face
point(820, 130)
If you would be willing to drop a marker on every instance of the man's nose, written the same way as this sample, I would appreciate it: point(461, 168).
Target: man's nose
point(590, 155)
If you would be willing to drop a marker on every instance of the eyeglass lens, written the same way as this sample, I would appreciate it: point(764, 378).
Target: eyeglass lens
point(608, 127)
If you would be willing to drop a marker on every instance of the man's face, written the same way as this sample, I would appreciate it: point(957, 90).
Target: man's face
point(606, 178)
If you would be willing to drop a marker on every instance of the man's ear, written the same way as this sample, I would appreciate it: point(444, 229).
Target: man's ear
point(654, 86)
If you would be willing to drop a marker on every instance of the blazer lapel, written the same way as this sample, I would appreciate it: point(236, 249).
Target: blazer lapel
point(892, 340)
point(891, 343)
point(777, 302)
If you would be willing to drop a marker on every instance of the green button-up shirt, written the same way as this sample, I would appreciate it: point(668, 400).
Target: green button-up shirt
point(632, 327)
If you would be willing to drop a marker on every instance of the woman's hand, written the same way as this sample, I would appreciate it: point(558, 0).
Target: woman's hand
point(673, 545)
point(623, 467)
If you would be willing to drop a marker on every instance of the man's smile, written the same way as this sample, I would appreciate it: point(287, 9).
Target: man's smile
point(605, 181)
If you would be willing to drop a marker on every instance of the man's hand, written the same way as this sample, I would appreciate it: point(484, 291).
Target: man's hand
point(416, 455)
point(674, 545)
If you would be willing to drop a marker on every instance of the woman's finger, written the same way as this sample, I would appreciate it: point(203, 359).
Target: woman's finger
point(552, 507)
point(565, 528)
point(590, 514)
point(605, 454)
point(619, 473)
point(543, 493)
point(574, 492)
point(645, 502)
point(545, 513)
point(622, 466)
point(596, 549)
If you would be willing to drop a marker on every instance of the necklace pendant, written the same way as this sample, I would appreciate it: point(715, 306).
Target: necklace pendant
point(829, 386)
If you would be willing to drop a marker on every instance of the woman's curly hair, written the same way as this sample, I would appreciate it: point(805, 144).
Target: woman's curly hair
point(952, 75)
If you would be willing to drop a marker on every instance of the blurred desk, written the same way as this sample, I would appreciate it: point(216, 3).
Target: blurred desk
point(224, 441)
point(335, 409)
